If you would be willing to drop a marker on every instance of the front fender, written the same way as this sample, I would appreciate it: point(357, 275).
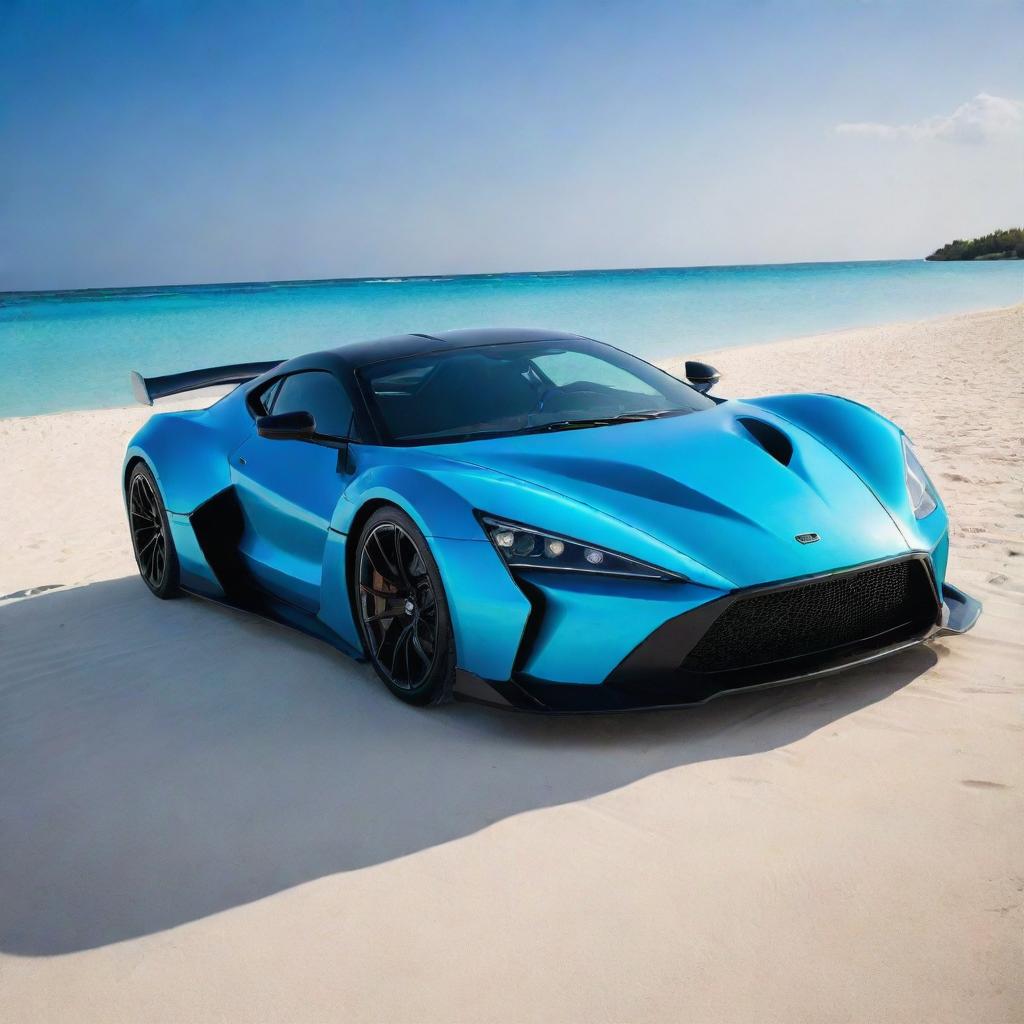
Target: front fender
point(488, 610)
point(872, 447)
point(439, 510)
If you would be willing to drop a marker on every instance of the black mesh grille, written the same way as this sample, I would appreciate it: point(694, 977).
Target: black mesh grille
point(890, 600)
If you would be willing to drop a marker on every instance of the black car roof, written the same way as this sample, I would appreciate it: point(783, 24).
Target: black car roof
point(346, 359)
point(362, 353)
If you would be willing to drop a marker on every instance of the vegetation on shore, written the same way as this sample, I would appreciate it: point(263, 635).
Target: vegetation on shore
point(999, 245)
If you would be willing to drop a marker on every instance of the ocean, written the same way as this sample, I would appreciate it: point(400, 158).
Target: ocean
point(73, 350)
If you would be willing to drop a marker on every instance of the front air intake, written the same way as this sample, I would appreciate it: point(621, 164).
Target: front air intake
point(770, 438)
point(880, 605)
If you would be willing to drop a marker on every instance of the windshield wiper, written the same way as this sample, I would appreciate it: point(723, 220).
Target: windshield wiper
point(600, 421)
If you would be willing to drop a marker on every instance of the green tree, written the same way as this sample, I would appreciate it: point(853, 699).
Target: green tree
point(1006, 244)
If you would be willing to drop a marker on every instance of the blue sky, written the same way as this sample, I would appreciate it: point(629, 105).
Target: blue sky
point(150, 142)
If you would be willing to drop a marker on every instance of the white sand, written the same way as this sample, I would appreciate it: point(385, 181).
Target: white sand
point(204, 817)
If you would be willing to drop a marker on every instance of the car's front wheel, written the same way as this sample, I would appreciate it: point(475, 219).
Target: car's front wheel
point(401, 609)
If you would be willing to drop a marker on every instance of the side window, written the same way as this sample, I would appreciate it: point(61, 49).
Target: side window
point(319, 393)
point(264, 401)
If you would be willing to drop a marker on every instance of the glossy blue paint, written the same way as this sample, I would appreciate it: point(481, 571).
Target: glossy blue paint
point(288, 491)
point(489, 611)
point(584, 632)
point(188, 451)
point(697, 495)
point(871, 446)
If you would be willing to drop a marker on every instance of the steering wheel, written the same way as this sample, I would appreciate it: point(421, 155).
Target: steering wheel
point(579, 387)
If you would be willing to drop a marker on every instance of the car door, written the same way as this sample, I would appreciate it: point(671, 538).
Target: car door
point(288, 490)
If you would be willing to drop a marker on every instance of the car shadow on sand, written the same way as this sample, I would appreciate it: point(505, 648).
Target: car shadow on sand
point(163, 761)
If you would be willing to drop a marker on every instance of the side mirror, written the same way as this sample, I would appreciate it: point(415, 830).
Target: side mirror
point(296, 426)
point(702, 376)
point(287, 426)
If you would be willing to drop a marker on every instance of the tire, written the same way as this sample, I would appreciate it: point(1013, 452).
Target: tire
point(399, 604)
point(152, 542)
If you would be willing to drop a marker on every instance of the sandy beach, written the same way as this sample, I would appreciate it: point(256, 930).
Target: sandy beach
point(206, 817)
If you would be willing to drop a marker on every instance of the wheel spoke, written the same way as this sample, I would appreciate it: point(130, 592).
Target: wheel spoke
point(402, 574)
point(405, 655)
point(387, 571)
point(148, 558)
point(391, 574)
point(389, 635)
point(399, 641)
point(429, 636)
point(418, 648)
point(149, 543)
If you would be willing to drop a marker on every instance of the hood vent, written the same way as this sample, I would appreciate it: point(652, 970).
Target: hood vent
point(770, 438)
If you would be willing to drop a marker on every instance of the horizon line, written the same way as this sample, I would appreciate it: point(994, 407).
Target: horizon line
point(400, 278)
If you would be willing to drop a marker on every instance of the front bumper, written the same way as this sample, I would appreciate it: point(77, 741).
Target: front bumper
point(654, 674)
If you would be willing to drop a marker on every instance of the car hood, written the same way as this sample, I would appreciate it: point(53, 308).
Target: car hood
point(730, 488)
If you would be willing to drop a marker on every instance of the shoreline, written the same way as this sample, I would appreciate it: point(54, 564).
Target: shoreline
point(672, 364)
point(75, 352)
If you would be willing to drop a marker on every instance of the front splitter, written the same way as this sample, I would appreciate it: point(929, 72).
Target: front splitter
point(960, 611)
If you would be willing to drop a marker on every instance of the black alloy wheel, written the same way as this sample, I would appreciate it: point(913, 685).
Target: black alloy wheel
point(402, 611)
point(151, 536)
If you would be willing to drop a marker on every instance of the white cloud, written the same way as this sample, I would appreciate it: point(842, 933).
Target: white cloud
point(982, 119)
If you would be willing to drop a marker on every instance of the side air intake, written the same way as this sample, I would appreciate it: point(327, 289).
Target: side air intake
point(770, 438)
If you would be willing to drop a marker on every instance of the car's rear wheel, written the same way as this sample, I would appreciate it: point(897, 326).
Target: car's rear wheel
point(401, 609)
point(151, 536)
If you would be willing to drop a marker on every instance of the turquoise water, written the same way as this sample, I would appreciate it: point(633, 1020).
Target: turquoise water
point(73, 350)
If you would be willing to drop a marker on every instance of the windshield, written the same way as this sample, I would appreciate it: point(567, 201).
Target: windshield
point(494, 390)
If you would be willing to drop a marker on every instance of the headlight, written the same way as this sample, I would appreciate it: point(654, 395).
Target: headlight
point(525, 547)
point(919, 487)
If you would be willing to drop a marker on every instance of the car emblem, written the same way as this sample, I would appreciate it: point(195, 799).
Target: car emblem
point(808, 538)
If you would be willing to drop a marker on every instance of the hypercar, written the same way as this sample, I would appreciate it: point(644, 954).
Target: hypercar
point(537, 520)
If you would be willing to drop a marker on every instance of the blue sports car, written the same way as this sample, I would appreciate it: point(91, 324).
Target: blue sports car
point(537, 520)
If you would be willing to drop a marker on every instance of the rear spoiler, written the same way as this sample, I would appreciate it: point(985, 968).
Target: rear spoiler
point(148, 389)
